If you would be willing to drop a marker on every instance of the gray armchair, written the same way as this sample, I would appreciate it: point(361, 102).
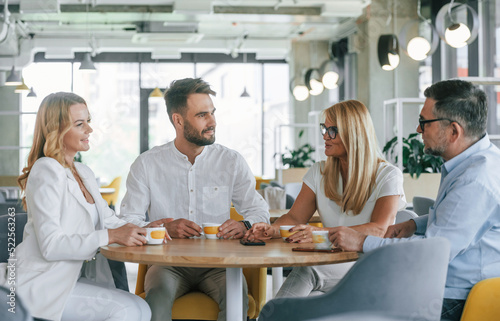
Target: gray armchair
point(422, 204)
point(404, 279)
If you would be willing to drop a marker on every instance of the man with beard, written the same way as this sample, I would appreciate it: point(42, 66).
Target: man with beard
point(185, 183)
point(467, 208)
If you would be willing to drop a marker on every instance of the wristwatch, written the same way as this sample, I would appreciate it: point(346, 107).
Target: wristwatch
point(247, 224)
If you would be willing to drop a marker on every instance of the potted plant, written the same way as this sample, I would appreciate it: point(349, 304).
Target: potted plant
point(300, 157)
point(297, 161)
point(415, 163)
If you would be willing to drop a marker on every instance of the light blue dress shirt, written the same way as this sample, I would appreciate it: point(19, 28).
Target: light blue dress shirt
point(467, 213)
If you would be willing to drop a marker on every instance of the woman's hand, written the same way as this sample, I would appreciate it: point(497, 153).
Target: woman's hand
point(260, 231)
point(303, 233)
point(127, 235)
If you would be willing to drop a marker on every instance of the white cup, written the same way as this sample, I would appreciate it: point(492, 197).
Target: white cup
point(321, 240)
point(155, 235)
point(285, 231)
point(210, 230)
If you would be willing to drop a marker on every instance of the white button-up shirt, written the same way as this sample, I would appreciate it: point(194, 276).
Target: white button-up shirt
point(163, 182)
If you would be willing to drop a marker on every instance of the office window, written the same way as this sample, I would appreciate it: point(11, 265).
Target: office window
point(112, 95)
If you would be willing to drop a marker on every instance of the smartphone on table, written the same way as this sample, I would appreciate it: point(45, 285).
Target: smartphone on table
point(255, 242)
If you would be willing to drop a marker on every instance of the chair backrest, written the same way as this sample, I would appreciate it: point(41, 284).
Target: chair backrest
point(274, 196)
point(421, 204)
point(112, 198)
point(19, 221)
point(483, 302)
point(234, 215)
point(293, 189)
point(406, 278)
point(404, 215)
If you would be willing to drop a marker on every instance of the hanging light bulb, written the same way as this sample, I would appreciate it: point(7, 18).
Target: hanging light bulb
point(156, 93)
point(330, 80)
point(300, 92)
point(14, 78)
point(87, 65)
point(423, 38)
point(21, 88)
point(418, 48)
point(457, 35)
point(32, 93)
point(245, 93)
point(316, 87)
point(388, 52)
point(312, 82)
point(331, 74)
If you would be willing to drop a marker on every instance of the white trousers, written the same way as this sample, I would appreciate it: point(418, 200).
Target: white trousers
point(313, 280)
point(91, 301)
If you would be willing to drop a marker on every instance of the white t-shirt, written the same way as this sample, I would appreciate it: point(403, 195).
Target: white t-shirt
point(389, 181)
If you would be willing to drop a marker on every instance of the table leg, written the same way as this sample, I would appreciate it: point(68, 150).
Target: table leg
point(234, 293)
point(277, 273)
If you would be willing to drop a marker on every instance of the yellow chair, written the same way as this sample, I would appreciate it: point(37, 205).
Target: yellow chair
point(112, 198)
point(199, 306)
point(483, 302)
point(316, 224)
point(259, 180)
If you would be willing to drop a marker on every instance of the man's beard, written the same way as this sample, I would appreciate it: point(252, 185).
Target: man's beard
point(193, 137)
point(439, 149)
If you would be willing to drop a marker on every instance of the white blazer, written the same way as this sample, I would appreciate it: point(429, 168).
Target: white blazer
point(58, 237)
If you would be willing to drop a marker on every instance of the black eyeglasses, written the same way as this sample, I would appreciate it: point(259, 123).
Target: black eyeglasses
point(332, 131)
point(422, 123)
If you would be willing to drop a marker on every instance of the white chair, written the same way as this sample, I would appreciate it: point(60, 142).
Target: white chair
point(293, 189)
point(422, 204)
point(274, 196)
point(404, 215)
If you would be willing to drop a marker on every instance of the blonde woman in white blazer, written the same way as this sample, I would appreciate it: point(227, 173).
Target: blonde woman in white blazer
point(67, 223)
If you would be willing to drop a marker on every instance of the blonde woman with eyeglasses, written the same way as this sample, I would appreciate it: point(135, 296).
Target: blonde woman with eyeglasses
point(58, 272)
point(354, 187)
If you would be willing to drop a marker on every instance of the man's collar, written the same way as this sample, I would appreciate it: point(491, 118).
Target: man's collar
point(481, 144)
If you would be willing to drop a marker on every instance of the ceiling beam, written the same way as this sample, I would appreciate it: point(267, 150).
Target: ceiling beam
point(302, 11)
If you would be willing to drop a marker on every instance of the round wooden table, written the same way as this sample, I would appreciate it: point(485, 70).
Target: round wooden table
point(229, 254)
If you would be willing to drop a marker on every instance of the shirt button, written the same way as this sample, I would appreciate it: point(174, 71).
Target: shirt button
point(216, 188)
point(191, 212)
point(191, 190)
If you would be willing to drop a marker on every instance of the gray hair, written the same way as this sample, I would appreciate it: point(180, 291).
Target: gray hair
point(463, 102)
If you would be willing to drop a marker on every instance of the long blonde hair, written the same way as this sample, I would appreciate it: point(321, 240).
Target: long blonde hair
point(52, 123)
point(355, 128)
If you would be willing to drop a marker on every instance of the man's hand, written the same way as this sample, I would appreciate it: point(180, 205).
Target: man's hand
point(232, 228)
point(127, 235)
point(182, 228)
point(159, 223)
point(260, 231)
point(346, 238)
point(405, 229)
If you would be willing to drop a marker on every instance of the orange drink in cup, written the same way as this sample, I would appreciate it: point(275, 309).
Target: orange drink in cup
point(155, 235)
point(321, 240)
point(285, 231)
point(210, 230)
